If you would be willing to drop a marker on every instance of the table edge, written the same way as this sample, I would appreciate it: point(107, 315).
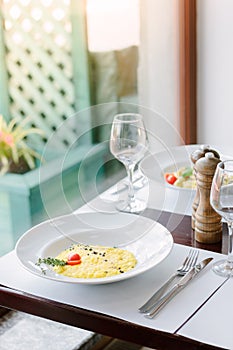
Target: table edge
point(100, 323)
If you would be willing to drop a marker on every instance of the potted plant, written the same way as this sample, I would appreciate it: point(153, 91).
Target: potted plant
point(15, 154)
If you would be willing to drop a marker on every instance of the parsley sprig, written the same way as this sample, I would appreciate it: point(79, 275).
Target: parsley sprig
point(49, 261)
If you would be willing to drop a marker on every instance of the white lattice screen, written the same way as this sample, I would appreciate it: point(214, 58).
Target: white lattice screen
point(38, 43)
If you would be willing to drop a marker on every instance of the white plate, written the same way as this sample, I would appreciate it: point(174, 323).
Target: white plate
point(156, 165)
point(148, 240)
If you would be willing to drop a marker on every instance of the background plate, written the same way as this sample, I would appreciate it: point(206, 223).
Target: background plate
point(154, 166)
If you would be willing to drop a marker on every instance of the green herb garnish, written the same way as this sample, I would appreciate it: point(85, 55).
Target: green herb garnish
point(50, 261)
point(187, 172)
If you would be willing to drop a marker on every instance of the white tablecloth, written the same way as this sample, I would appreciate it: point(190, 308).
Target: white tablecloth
point(213, 323)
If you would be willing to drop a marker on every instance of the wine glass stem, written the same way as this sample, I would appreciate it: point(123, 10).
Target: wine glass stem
point(230, 243)
point(131, 192)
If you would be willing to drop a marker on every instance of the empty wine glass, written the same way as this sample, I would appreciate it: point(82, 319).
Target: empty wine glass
point(129, 143)
point(221, 199)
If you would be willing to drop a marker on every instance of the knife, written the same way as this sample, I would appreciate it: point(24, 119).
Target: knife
point(177, 288)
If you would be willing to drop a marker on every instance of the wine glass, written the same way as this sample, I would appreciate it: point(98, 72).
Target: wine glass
point(129, 143)
point(221, 199)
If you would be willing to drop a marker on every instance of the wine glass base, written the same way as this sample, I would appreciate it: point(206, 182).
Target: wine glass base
point(223, 268)
point(137, 206)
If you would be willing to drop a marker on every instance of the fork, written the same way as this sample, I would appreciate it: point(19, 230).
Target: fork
point(187, 264)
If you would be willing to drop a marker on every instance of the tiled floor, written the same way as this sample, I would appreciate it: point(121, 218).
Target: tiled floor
point(21, 331)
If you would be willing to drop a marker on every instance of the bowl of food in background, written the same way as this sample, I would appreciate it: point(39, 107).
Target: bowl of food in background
point(171, 170)
point(183, 177)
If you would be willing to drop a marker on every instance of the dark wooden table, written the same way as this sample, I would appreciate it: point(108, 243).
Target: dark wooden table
point(180, 227)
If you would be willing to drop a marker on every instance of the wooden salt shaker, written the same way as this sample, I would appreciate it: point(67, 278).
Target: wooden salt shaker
point(208, 225)
point(197, 154)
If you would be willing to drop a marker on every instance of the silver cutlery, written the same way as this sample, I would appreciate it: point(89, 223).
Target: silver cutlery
point(177, 287)
point(187, 264)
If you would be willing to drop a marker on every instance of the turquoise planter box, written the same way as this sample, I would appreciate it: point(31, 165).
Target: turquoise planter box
point(59, 186)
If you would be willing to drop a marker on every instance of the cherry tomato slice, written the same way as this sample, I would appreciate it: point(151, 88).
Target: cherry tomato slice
point(74, 257)
point(170, 178)
point(73, 262)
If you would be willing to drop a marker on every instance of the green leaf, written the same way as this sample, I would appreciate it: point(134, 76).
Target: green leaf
point(29, 159)
point(27, 132)
point(11, 125)
point(187, 172)
point(15, 155)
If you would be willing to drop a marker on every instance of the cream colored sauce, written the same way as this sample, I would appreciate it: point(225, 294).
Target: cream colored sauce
point(96, 262)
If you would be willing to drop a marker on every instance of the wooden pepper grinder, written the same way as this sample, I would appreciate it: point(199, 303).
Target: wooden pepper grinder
point(208, 226)
point(197, 154)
